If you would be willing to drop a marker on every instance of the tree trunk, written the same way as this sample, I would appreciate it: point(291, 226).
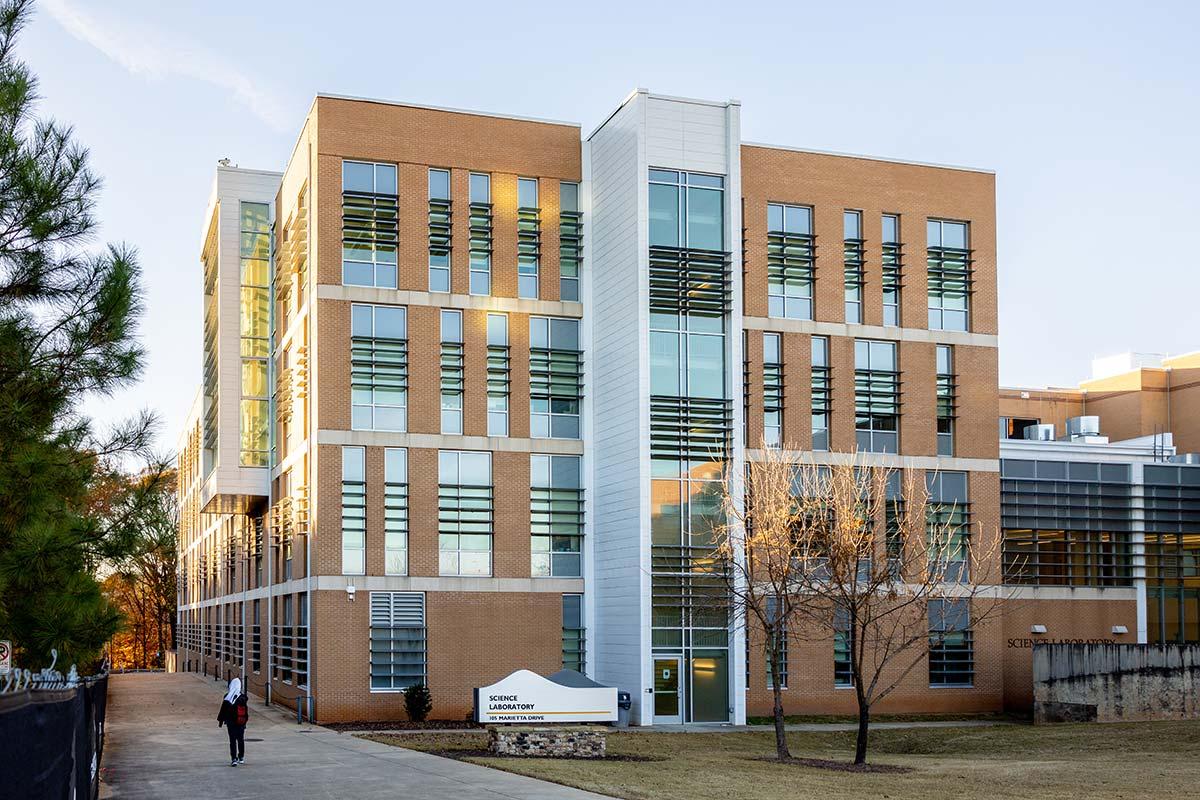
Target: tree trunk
point(781, 745)
point(860, 745)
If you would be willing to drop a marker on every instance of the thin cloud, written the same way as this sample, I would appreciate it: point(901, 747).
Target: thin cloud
point(155, 54)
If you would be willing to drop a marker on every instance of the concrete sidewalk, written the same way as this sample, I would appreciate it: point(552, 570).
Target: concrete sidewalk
point(162, 742)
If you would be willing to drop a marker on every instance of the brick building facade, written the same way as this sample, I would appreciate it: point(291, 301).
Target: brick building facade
point(464, 374)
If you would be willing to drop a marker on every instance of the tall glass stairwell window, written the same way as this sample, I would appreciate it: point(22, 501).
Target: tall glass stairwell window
point(254, 321)
point(690, 429)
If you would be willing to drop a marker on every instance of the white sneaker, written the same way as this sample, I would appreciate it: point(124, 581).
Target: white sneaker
point(233, 763)
point(241, 761)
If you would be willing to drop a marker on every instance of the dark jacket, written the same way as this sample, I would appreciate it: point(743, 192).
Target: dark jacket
point(228, 712)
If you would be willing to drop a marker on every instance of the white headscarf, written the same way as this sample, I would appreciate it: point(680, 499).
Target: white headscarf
point(235, 690)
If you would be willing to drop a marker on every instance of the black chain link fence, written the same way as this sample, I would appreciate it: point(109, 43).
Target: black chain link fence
point(51, 741)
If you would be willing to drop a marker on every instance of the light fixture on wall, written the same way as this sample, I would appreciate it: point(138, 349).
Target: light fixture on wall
point(350, 593)
point(1037, 629)
point(1119, 629)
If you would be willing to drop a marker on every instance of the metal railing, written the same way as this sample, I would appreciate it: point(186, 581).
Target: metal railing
point(52, 726)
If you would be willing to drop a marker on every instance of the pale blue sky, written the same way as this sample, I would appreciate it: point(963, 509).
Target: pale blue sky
point(1088, 113)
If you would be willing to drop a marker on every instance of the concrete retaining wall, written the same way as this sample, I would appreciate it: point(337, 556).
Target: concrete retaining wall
point(1108, 682)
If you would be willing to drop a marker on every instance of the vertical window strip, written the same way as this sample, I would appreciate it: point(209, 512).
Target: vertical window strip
point(498, 383)
point(843, 643)
point(574, 641)
point(480, 243)
point(893, 517)
point(853, 259)
point(256, 637)
point(452, 365)
point(395, 512)
point(529, 240)
point(354, 511)
point(439, 230)
point(781, 646)
point(570, 241)
point(370, 224)
point(452, 387)
point(822, 393)
point(773, 389)
point(398, 640)
point(893, 270)
point(946, 400)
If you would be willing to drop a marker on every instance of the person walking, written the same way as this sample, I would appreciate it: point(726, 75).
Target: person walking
point(234, 713)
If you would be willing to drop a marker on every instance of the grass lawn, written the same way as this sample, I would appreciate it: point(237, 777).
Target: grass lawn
point(847, 719)
point(1152, 759)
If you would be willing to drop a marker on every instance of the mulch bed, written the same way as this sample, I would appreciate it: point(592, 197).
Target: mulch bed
point(403, 725)
point(840, 766)
point(485, 753)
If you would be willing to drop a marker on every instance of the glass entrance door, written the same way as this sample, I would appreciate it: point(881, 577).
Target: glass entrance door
point(668, 708)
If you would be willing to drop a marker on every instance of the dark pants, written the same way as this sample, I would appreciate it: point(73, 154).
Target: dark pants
point(237, 740)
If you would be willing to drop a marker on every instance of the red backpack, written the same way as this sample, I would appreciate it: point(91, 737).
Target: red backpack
point(241, 712)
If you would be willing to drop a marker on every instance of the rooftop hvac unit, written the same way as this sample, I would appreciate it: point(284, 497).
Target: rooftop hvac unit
point(1083, 426)
point(1039, 433)
point(1185, 458)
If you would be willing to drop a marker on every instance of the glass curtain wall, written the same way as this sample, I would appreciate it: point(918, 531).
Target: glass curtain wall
point(255, 318)
point(691, 423)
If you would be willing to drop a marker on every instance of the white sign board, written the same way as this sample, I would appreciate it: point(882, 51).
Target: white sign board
point(526, 697)
point(5, 657)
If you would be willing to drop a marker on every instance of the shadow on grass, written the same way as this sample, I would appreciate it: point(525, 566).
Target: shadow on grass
point(485, 753)
point(838, 766)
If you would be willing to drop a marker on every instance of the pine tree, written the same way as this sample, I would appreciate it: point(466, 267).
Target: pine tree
point(67, 325)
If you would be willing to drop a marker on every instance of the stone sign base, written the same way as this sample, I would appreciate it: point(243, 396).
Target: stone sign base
point(567, 742)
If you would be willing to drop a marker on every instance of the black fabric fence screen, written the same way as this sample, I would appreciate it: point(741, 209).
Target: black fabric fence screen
point(52, 741)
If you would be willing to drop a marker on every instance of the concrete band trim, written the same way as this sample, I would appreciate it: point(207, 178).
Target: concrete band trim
point(400, 583)
point(783, 325)
point(891, 460)
point(405, 297)
point(445, 441)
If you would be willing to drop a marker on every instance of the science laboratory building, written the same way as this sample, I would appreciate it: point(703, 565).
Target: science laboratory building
point(469, 379)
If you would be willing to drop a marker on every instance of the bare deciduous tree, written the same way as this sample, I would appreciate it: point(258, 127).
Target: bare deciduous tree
point(860, 556)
